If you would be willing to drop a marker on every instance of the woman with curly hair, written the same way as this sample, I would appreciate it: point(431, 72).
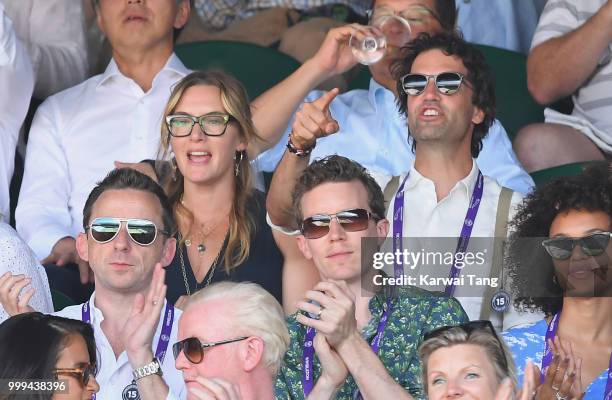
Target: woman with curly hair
point(560, 264)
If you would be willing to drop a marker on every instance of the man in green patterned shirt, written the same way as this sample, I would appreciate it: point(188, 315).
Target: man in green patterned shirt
point(352, 338)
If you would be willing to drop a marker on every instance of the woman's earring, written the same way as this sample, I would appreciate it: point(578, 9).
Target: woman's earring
point(173, 165)
point(238, 157)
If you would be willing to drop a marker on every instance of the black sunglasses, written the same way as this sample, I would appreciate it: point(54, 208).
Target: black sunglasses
point(214, 124)
point(82, 374)
point(141, 231)
point(560, 248)
point(194, 349)
point(353, 220)
point(446, 82)
point(469, 328)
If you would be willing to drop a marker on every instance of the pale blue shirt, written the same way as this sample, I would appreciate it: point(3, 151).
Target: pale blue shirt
point(508, 24)
point(375, 134)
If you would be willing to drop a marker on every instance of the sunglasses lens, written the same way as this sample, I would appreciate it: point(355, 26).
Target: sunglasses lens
point(316, 226)
point(594, 245)
point(448, 82)
point(353, 220)
point(87, 373)
point(104, 229)
point(414, 84)
point(560, 248)
point(193, 350)
point(142, 231)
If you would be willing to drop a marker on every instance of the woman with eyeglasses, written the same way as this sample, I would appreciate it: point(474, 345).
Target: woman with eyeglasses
point(209, 136)
point(57, 354)
point(559, 264)
point(469, 361)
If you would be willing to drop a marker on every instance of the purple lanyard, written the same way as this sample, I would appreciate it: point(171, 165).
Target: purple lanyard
point(466, 230)
point(164, 337)
point(551, 332)
point(308, 351)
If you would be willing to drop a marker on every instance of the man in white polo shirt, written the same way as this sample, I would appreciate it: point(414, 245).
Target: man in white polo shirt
point(127, 223)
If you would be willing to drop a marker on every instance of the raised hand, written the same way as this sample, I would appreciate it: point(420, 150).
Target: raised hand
point(10, 288)
point(563, 375)
point(313, 121)
point(64, 252)
point(140, 327)
point(335, 56)
point(336, 312)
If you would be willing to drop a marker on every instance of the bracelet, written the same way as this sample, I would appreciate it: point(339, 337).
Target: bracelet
point(298, 152)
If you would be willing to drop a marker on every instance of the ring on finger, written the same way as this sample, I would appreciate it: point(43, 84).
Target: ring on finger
point(319, 313)
point(558, 396)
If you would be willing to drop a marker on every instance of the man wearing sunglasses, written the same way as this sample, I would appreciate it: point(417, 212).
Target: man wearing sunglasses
point(365, 125)
point(448, 98)
point(127, 223)
point(232, 339)
point(352, 338)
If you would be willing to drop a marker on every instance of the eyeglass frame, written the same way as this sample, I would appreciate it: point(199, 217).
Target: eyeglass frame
point(371, 216)
point(468, 328)
point(78, 373)
point(575, 241)
point(370, 13)
point(197, 120)
point(203, 346)
point(462, 79)
point(126, 220)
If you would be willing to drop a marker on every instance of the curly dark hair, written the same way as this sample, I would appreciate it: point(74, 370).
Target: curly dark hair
point(336, 168)
point(479, 76)
point(530, 268)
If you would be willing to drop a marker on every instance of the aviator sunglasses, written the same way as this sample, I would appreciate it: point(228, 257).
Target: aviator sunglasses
point(194, 349)
point(353, 220)
point(82, 374)
point(446, 82)
point(560, 248)
point(141, 231)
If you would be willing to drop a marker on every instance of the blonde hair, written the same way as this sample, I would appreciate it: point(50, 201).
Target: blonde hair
point(495, 348)
point(256, 313)
point(241, 221)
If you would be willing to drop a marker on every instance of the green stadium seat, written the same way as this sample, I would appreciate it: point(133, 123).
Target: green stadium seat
point(546, 175)
point(515, 106)
point(60, 300)
point(257, 67)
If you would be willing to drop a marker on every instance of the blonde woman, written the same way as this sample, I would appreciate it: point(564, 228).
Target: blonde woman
point(209, 137)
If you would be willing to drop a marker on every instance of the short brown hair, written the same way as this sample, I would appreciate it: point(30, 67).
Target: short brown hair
point(337, 169)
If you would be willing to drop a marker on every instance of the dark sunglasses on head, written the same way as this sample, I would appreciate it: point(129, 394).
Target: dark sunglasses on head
point(469, 328)
point(446, 82)
point(141, 231)
point(82, 374)
point(214, 124)
point(194, 349)
point(353, 220)
point(561, 248)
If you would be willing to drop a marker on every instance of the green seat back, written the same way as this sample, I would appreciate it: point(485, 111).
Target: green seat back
point(545, 175)
point(257, 67)
point(515, 106)
point(60, 300)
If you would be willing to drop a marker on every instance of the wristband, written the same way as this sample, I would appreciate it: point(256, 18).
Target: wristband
point(298, 152)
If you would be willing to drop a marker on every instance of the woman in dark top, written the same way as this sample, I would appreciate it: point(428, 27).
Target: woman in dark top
point(209, 137)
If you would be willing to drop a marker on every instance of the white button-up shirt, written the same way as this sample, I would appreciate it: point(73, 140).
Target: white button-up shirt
point(54, 34)
point(75, 137)
point(426, 217)
point(114, 374)
point(16, 83)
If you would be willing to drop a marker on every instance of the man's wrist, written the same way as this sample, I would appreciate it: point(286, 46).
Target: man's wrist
point(139, 358)
point(298, 147)
point(348, 345)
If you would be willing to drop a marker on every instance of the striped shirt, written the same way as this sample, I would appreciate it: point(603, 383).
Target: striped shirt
point(592, 101)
